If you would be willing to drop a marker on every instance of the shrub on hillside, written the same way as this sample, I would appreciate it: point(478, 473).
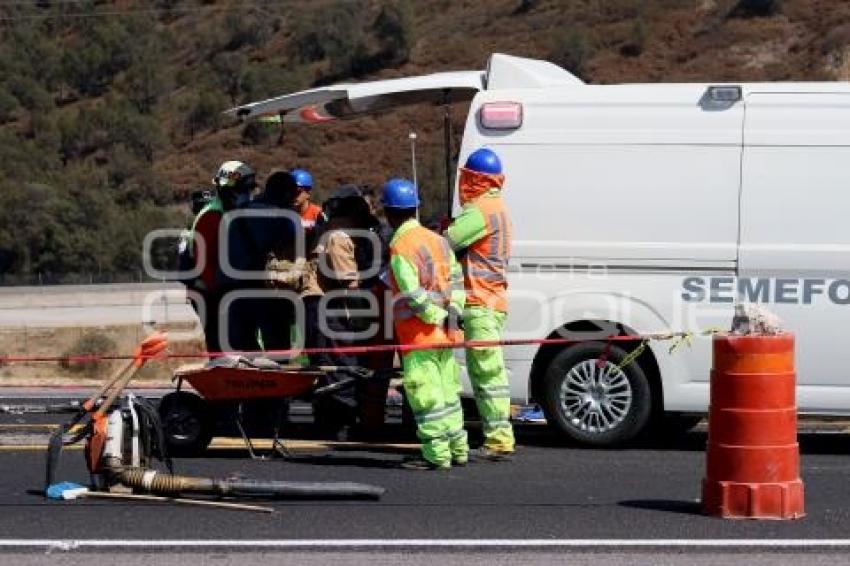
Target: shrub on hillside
point(8, 104)
point(121, 123)
point(203, 113)
point(20, 157)
point(80, 134)
point(637, 42)
point(572, 51)
point(27, 51)
point(327, 33)
point(247, 30)
point(342, 35)
point(147, 80)
point(394, 29)
point(336, 34)
point(230, 71)
point(30, 94)
point(756, 8)
point(525, 6)
point(92, 343)
point(133, 179)
point(103, 50)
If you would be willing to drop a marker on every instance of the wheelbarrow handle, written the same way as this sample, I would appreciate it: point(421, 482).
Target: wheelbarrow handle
point(364, 374)
point(334, 387)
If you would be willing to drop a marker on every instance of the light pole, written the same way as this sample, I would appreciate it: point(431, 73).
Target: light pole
point(412, 137)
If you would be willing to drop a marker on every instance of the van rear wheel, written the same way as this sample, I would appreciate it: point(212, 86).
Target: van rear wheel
point(588, 397)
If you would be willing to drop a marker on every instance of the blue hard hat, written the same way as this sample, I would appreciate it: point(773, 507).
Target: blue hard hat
point(303, 178)
point(400, 193)
point(484, 161)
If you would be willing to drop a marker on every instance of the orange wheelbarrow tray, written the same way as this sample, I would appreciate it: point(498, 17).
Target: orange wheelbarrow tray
point(218, 383)
point(233, 386)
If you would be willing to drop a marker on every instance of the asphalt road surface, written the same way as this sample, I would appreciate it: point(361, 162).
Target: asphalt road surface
point(635, 505)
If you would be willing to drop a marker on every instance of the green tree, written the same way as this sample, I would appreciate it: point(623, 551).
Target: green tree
point(149, 76)
point(230, 71)
point(333, 33)
point(248, 29)
point(140, 133)
point(27, 51)
point(203, 112)
point(23, 159)
point(31, 94)
point(103, 49)
point(8, 104)
point(80, 134)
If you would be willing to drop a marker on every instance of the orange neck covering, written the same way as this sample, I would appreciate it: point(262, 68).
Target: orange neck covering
point(473, 184)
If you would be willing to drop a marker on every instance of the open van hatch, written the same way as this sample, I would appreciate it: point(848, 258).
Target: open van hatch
point(348, 100)
point(342, 101)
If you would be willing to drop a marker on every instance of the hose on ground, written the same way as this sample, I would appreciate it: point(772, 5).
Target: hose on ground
point(159, 483)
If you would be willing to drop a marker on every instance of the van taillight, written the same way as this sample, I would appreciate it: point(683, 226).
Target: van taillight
point(501, 115)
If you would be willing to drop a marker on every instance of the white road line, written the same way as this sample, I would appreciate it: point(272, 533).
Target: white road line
point(783, 544)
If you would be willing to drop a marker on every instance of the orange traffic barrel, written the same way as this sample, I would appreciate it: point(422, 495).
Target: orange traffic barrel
point(753, 459)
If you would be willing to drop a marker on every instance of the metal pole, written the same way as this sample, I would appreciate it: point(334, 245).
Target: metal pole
point(165, 304)
point(412, 137)
point(447, 140)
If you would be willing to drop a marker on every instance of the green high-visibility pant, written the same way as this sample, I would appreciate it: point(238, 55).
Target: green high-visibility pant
point(486, 368)
point(432, 386)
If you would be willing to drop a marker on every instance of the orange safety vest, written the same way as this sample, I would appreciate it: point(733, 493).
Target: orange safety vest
point(310, 216)
point(430, 253)
point(485, 263)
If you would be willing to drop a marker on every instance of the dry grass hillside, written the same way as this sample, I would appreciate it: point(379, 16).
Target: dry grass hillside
point(604, 41)
point(110, 110)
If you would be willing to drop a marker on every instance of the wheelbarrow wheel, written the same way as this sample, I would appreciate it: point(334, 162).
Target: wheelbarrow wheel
point(186, 422)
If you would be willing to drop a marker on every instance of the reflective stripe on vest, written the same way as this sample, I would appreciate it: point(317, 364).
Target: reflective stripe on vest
point(485, 263)
point(405, 307)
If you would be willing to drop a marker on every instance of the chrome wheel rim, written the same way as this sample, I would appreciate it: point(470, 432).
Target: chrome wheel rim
point(595, 396)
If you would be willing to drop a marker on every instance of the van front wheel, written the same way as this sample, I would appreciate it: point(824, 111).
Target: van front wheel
point(590, 398)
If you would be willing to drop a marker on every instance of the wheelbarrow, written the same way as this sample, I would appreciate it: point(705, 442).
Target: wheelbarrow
point(235, 386)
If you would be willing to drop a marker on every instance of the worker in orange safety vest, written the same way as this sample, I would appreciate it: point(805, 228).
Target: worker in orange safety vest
point(427, 289)
point(481, 236)
point(309, 211)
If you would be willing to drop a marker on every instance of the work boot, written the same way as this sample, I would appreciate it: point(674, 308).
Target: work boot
point(484, 454)
point(423, 465)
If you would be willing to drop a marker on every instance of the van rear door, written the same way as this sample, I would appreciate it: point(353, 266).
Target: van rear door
point(342, 101)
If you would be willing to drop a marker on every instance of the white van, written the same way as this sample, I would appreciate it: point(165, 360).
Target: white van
point(646, 208)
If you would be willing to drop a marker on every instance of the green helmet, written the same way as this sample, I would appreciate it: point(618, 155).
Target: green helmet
point(235, 176)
